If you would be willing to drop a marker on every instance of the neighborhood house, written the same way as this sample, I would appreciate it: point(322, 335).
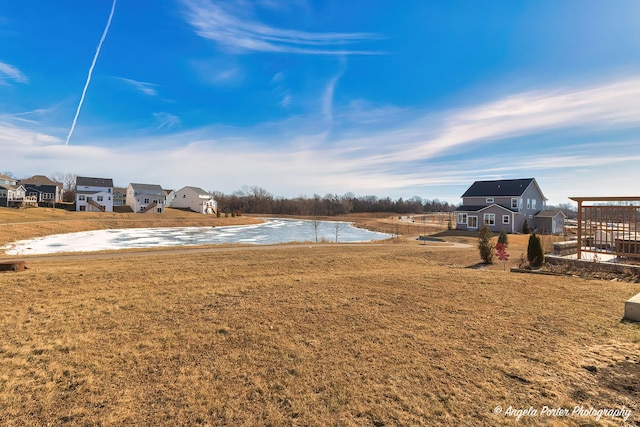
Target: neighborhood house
point(195, 199)
point(11, 193)
point(43, 189)
point(145, 198)
point(94, 194)
point(506, 205)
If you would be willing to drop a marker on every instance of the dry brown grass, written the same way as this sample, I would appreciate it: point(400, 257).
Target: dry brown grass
point(398, 334)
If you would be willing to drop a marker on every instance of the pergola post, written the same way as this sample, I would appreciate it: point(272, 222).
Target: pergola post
point(579, 254)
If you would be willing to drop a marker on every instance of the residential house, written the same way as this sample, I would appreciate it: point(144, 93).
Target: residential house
point(145, 198)
point(119, 196)
point(94, 194)
point(46, 191)
point(169, 195)
point(196, 199)
point(13, 196)
point(7, 180)
point(550, 221)
point(502, 204)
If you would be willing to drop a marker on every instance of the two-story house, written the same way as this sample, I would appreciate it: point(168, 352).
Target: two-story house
point(46, 191)
point(143, 198)
point(94, 194)
point(196, 199)
point(10, 192)
point(502, 204)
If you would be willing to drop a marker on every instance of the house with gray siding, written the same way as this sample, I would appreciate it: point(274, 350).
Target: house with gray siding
point(501, 204)
point(145, 198)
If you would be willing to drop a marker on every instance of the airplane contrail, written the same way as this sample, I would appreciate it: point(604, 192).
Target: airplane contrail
point(93, 64)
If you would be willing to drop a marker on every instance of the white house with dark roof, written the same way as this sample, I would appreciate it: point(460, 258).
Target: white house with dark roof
point(502, 204)
point(196, 199)
point(94, 194)
point(145, 198)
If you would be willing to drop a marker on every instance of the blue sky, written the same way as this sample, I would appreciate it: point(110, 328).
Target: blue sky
point(300, 97)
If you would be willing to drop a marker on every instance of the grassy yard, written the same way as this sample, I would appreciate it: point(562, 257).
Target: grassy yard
point(372, 335)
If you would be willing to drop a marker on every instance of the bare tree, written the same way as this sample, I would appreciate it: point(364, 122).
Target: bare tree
point(315, 223)
point(68, 181)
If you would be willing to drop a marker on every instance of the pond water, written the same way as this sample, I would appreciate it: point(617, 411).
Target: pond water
point(273, 230)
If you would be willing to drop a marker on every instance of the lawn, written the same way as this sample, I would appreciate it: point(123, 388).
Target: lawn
point(394, 334)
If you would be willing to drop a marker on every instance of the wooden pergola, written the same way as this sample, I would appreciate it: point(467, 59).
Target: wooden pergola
point(609, 225)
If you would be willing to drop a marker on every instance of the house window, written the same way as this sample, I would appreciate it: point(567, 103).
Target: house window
point(506, 219)
point(514, 203)
point(490, 219)
point(184, 195)
point(108, 190)
point(3, 193)
point(159, 210)
point(533, 204)
point(520, 203)
point(528, 203)
point(81, 197)
point(489, 199)
point(83, 208)
point(100, 198)
point(473, 222)
point(462, 218)
point(146, 200)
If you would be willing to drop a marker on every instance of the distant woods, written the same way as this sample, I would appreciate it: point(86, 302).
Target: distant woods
point(257, 200)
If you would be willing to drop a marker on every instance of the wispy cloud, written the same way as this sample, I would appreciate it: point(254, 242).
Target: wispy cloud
point(10, 73)
point(166, 121)
point(608, 106)
point(230, 25)
point(144, 87)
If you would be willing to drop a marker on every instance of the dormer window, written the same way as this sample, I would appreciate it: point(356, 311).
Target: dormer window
point(489, 199)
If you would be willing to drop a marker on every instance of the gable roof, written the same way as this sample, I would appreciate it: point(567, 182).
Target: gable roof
point(196, 190)
point(147, 188)
point(550, 213)
point(39, 180)
point(94, 182)
point(500, 188)
point(6, 178)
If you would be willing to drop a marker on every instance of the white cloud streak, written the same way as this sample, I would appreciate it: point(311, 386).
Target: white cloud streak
point(9, 72)
point(144, 87)
point(93, 64)
point(220, 22)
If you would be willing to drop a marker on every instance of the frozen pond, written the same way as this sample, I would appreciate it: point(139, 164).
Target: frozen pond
point(270, 232)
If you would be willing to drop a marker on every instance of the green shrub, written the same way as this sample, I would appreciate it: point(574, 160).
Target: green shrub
point(484, 244)
point(502, 238)
point(525, 227)
point(535, 255)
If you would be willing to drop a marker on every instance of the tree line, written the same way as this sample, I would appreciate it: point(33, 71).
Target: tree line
point(257, 200)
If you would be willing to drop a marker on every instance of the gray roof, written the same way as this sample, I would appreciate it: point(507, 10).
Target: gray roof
point(94, 182)
point(550, 213)
point(197, 190)
point(39, 180)
point(498, 188)
point(147, 188)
